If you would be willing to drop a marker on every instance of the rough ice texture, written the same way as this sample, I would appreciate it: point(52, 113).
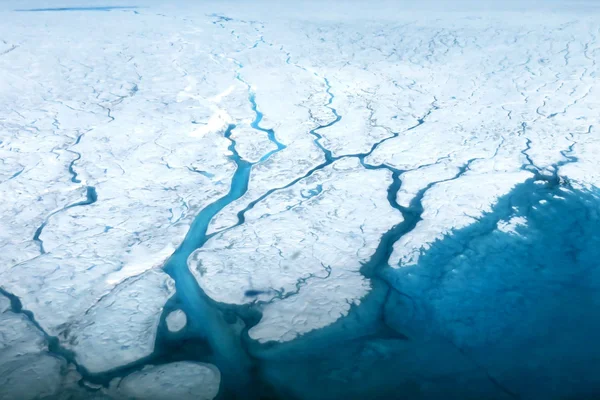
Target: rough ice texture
point(112, 142)
point(180, 380)
point(112, 120)
point(121, 327)
point(27, 371)
point(453, 205)
point(301, 250)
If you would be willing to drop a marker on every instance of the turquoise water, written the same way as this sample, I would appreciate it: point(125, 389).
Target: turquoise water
point(270, 132)
point(205, 321)
point(524, 304)
point(484, 315)
point(473, 320)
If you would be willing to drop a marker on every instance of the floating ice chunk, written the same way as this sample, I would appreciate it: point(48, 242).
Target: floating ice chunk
point(121, 327)
point(176, 320)
point(178, 380)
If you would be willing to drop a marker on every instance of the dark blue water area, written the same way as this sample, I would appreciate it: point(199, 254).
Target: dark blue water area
point(485, 314)
point(98, 8)
point(521, 306)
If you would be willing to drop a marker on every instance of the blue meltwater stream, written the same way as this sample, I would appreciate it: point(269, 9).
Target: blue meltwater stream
point(204, 318)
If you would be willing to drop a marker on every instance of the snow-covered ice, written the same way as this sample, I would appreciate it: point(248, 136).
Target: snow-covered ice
point(121, 327)
point(27, 371)
point(270, 199)
point(300, 250)
point(180, 380)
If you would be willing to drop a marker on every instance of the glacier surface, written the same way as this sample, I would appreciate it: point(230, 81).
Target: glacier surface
point(223, 200)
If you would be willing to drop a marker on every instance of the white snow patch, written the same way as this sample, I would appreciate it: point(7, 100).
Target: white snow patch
point(179, 380)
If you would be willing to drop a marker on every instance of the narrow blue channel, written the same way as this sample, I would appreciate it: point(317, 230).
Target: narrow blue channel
point(270, 132)
point(328, 156)
point(204, 318)
point(98, 8)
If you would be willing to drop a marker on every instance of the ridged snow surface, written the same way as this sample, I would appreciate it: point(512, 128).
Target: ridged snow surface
point(310, 200)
